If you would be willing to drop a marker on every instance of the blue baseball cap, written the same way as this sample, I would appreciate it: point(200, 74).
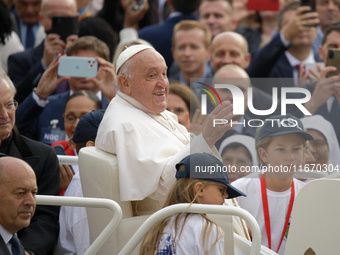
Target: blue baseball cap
point(206, 161)
point(282, 125)
point(87, 126)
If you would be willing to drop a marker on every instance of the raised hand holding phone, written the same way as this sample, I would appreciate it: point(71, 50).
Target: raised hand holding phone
point(79, 67)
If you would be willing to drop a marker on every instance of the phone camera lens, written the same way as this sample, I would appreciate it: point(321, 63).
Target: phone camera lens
point(331, 54)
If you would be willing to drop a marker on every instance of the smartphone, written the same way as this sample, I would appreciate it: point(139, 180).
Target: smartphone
point(136, 4)
point(314, 66)
point(64, 26)
point(310, 3)
point(333, 59)
point(263, 5)
point(79, 67)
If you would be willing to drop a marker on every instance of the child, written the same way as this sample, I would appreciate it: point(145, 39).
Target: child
point(189, 233)
point(281, 146)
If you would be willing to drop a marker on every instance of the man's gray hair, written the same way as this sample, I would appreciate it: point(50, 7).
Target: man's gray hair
point(4, 77)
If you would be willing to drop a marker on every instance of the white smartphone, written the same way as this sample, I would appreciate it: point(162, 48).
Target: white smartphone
point(313, 66)
point(80, 67)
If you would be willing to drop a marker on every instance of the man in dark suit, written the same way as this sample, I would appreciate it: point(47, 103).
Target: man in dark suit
point(25, 21)
point(35, 114)
point(290, 48)
point(190, 47)
point(41, 235)
point(18, 188)
point(236, 52)
point(326, 91)
point(25, 68)
point(160, 35)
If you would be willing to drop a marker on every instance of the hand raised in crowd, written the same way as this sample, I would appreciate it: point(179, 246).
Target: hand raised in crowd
point(302, 21)
point(53, 46)
point(49, 80)
point(132, 17)
point(212, 131)
point(198, 122)
point(311, 75)
point(106, 79)
point(71, 39)
point(66, 175)
point(324, 89)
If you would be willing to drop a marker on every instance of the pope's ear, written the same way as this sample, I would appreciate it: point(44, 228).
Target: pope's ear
point(124, 84)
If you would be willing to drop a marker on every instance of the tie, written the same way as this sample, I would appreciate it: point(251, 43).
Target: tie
point(15, 245)
point(297, 67)
point(29, 37)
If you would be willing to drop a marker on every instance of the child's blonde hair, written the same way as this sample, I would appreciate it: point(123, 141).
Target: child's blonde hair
point(183, 191)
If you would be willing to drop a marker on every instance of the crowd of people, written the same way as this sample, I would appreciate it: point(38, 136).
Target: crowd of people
point(179, 84)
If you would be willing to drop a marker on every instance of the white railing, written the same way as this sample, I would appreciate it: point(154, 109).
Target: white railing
point(68, 160)
point(195, 208)
point(89, 202)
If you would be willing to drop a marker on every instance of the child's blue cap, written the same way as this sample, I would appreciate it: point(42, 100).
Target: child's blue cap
point(282, 125)
point(195, 166)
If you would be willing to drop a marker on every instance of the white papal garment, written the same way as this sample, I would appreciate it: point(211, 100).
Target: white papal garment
point(148, 146)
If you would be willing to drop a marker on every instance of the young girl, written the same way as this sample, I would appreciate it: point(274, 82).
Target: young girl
point(190, 233)
point(281, 145)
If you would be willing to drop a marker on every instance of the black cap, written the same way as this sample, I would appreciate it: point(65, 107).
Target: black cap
point(206, 161)
point(282, 125)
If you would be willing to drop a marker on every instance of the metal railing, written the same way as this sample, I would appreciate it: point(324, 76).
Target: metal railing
point(93, 203)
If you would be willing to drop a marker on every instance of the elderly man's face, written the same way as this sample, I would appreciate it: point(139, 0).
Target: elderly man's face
point(18, 188)
point(149, 83)
point(7, 110)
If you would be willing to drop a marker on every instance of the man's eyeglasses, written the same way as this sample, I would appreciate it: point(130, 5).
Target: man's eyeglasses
point(11, 106)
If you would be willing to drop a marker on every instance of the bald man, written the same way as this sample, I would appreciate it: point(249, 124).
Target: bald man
point(18, 188)
point(238, 77)
point(42, 158)
point(233, 52)
point(236, 52)
point(25, 68)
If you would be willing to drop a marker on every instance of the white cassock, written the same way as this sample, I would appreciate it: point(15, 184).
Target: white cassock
point(147, 145)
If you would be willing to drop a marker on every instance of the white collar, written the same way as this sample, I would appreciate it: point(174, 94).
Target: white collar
point(6, 236)
point(293, 61)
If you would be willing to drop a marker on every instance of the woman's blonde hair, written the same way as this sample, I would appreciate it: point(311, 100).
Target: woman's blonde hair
point(183, 191)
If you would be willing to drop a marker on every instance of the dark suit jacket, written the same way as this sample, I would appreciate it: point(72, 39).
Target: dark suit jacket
point(271, 62)
point(323, 111)
point(4, 250)
point(160, 36)
point(31, 118)
point(25, 70)
point(41, 235)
